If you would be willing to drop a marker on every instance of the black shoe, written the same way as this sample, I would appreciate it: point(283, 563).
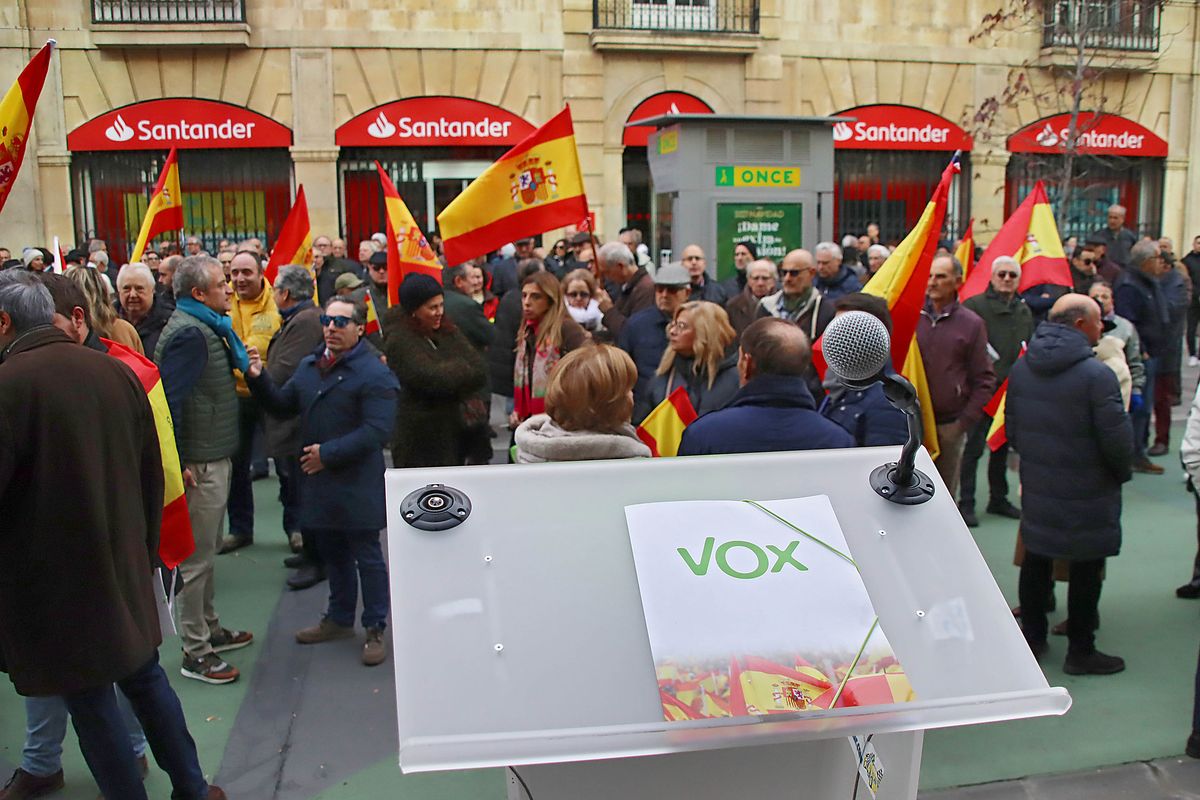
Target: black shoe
point(1093, 663)
point(306, 577)
point(1039, 647)
point(1158, 449)
point(1190, 590)
point(1193, 746)
point(1003, 508)
point(968, 515)
point(296, 561)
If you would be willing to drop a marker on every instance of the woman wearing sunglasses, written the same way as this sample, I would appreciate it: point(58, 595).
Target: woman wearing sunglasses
point(580, 289)
point(440, 374)
point(701, 355)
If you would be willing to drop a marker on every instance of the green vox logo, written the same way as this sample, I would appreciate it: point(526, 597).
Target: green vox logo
point(699, 567)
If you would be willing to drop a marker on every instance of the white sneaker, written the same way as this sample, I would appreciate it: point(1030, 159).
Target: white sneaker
point(1193, 361)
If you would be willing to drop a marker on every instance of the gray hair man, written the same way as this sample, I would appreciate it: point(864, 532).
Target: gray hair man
point(834, 278)
point(1116, 236)
point(139, 306)
point(195, 354)
point(1009, 324)
point(635, 287)
point(761, 278)
point(1139, 298)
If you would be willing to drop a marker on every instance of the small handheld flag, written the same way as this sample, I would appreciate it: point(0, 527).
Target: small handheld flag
point(165, 212)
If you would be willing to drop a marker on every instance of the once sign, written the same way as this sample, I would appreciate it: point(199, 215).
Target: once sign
point(432, 122)
point(894, 127)
point(774, 177)
point(186, 123)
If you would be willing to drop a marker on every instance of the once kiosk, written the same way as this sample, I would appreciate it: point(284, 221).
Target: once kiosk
point(520, 638)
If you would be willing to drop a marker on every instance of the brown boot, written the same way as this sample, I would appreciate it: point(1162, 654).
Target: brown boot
point(375, 650)
point(25, 786)
point(325, 631)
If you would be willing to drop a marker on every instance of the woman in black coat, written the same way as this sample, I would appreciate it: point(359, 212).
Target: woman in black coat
point(440, 373)
point(701, 355)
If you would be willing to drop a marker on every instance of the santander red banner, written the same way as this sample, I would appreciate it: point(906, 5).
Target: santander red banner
point(431, 122)
point(183, 122)
point(893, 127)
point(1098, 134)
point(655, 106)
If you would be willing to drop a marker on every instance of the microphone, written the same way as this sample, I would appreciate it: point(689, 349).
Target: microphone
point(857, 347)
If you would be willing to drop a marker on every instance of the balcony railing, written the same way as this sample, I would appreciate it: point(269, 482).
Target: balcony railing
point(698, 16)
point(1130, 25)
point(118, 12)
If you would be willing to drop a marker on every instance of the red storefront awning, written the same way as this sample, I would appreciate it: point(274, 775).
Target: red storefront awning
point(657, 105)
point(1099, 134)
point(896, 127)
point(188, 123)
point(432, 122)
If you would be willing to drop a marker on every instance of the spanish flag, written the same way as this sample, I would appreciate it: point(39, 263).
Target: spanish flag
point(294, 244)
point(165, 212)
point(408, 250)
point(674, 710)
point(1030, 236)
point(966, 250)
point(997, 435)
point(534, 187)
point(16, 115)
point(662, 429)
point(372, 325)
point(902, 281)
point(760, 686)
point(175, 542)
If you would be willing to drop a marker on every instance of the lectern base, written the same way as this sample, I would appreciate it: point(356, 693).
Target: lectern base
point(815, 769)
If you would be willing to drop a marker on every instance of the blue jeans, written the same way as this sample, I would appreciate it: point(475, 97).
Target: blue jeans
point(105, 742)
point(1141, 418)
point(342, 551)
point(46, 726)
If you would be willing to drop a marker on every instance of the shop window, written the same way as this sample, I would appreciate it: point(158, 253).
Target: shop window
point(231, 194)
point(892, 188)
point(1098, 182)
point(1130, 25)
point(167, 11)
point(715, 16)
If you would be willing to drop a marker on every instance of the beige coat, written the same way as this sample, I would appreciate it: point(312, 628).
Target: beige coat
point(1111, 351)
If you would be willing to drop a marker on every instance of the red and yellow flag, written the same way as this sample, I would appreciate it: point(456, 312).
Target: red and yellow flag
point(760, 686)
point(16, 115)
point(879, 689)
point(408, 250)
point(535, 186)
point(674, 710)
point(165, 212)
point(997, 435)
point(966, 250)
point(294, 244)
point(372, 325)
point(175, 542)
point(662, 429)
point(1030, 236)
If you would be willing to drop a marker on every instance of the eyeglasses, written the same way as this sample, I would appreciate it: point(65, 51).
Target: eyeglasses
point(1004, 274)
point(681, 327)
point(693, 258)
point(378, 267)
point(1088, 260)
point(338, 321)
point(792, 272)
point(578, 295)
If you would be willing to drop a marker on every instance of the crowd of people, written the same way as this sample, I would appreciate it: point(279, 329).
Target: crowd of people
point(580, 342)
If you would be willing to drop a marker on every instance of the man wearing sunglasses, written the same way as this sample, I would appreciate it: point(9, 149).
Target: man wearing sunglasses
point(1009, 324)
point(348, 397)
point(1083, 268)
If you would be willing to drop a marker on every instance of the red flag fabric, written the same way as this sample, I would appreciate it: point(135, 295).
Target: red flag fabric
point(407, 250)
point(294, 244)
point(16, 115)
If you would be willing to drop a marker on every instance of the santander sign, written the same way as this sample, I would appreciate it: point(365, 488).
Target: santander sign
point(433, 122)
point(894, 127)
point(178, 122)
point(1096, 134)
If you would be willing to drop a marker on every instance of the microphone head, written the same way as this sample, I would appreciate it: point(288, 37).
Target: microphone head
point(856, 346)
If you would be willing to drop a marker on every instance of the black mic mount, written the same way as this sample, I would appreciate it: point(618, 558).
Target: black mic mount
point(900, 481)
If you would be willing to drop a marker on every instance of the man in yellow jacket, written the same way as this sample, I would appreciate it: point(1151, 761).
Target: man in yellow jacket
point(255, 320)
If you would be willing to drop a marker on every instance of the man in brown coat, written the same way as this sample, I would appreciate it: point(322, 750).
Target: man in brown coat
point(77, 609)
point(634, 287)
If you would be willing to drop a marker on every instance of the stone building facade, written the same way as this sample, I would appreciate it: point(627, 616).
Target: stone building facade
point(314, 66)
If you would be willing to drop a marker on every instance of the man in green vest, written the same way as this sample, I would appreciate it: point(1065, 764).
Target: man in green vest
point(196, 354)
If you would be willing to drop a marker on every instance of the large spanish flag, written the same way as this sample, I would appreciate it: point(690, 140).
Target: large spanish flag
point(662, 429)
point(408, 250)
point(175, 542)
point(16, 115)
point(760, 686)
point(1030, 236)
point(966, 250)
point(534, 187)
point(165, 212)
point(294, 243)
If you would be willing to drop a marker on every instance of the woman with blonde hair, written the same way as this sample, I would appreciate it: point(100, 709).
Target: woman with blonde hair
point(701, 356)
point(547, 333)
point(589, 401)
point(105, 321)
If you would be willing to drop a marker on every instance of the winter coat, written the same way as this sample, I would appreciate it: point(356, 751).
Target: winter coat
point(704, 398)
point(768, 414)
point(1189, 447)
point(77, 548)
point(502, 354)
point(635, 295)
point(437, 374)
point(710, 290)
point(1192, 262)
point(1041, 298)
point(539, 439)
point(1140, 299)
point(151, 325)
point(300, 334)
point(350, 411)
point(644, 337)
point(742, 310)
point(954, 347)
point(1111, 352)
point(468, 317)
point(843, 282)
point(1009, 324)
point(865, 414)
point(1065, 417)
point(812, 317)
point(1128, 336)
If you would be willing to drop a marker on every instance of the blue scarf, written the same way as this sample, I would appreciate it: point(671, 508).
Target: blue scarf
point(221, 325)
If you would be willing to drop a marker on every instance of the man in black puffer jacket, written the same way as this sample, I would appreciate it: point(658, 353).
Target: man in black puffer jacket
point(1064, 415)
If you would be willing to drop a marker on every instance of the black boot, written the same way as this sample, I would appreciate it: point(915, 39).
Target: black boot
point(306, 577)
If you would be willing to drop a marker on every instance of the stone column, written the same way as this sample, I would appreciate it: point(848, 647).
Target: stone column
point(313, 150)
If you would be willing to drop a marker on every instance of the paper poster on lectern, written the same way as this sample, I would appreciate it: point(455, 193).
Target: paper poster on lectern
point(757, 608)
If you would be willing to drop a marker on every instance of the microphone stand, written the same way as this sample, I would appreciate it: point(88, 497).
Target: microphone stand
point(900, 481)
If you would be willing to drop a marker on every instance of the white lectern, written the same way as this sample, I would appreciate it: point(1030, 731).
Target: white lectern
point(520, 639)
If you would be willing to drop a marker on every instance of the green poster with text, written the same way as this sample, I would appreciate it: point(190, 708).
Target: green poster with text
point(775, 228)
